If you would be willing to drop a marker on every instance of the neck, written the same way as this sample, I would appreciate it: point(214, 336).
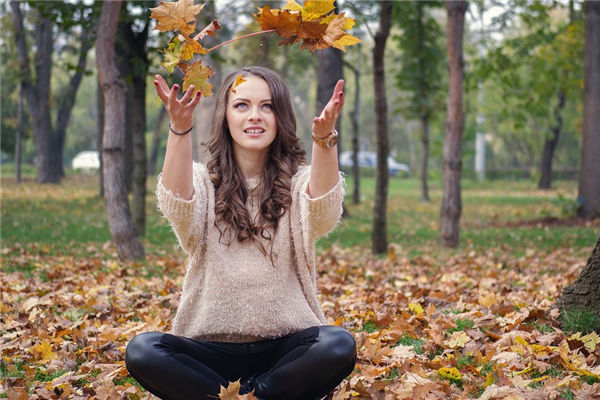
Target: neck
point(251, 164)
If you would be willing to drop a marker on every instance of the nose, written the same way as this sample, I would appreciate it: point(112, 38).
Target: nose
point(255, 114)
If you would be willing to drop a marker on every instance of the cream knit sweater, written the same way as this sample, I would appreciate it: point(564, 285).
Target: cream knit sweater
point(234, 293)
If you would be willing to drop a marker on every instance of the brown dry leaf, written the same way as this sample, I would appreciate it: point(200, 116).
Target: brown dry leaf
point(17, 393)
point(231, 392)
point(176, 16)
point(285, 23)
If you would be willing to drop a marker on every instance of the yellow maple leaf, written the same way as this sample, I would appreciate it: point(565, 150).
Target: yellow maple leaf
point(176, 16)
point(458, 340)
point(197, 75)
point(42, 351)
point(292, 6)
point(488, 300)
point(315, 9)
point(346, 40)
point(450, 373)
point(190, 48)
point(416, 308)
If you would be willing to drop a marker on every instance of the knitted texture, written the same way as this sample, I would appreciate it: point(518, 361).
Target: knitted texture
point(232, 292)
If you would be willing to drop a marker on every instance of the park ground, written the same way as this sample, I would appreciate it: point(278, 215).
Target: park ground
point(430, 323)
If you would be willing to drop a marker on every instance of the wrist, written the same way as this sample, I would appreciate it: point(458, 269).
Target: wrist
point(179, 130)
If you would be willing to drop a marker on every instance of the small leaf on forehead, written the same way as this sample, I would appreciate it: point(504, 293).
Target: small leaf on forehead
point(238, 81)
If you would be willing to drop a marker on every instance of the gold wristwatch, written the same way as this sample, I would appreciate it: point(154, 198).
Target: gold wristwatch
point(328, 141)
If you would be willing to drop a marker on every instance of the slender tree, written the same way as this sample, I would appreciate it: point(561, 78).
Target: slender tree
point(379, 235)
point(355, 120)
point(121, 226)
point(589, 175)
point(451, 199)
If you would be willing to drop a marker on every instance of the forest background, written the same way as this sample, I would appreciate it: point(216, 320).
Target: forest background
point(430, 321)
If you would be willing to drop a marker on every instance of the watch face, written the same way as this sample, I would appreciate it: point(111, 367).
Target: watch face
point(333, 141)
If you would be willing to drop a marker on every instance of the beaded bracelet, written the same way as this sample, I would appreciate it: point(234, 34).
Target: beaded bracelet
point(180, 133)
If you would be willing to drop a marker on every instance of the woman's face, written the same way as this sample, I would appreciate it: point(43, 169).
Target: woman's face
point(251, 119)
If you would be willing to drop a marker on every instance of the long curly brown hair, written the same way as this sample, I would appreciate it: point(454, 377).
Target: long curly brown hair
point(285, 155)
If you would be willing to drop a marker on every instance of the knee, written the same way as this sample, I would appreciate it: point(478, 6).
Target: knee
point(139, 350)
point(340, 345)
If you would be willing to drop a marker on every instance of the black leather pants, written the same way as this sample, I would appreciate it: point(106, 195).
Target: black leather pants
point(303, 366)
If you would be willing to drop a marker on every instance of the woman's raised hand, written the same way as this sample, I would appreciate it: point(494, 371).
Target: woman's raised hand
point(181, 111)
point(324, 124)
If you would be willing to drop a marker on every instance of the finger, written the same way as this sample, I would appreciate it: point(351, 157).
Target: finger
point(187, 95)
point(160, 93)
point(339, 87)
point(162, 84)
point(173, 95)
point(195, 99)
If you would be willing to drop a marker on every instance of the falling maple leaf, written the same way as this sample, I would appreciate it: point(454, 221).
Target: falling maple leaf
point(238, 81)
point(172, 56)
point(197, 75)
point(176, 16)
point(190, 48)
point(314, 24)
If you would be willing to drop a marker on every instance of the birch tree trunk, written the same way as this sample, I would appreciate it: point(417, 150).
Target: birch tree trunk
point(122, 229)
point(379, 235)
point(589, 175)
point(451, 198)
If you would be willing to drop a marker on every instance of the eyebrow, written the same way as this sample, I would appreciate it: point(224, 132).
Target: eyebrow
point(244, 99)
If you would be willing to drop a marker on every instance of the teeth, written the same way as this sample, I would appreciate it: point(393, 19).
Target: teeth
point(254, 130)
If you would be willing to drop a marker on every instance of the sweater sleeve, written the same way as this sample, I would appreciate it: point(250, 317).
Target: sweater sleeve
point(184, 216)
point(320, 214)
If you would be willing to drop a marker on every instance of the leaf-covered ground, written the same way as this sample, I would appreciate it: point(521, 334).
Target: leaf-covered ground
point(430, 324)
point(471, 326)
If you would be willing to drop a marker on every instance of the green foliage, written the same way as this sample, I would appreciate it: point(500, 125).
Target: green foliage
point(421, 58)
point(416, 343)
point(462, 324)
point(370, 327)
point(568, 206)
point(579, 321)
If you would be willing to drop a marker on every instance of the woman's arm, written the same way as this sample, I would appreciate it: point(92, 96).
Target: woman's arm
point(177, 171)
point(324, 172)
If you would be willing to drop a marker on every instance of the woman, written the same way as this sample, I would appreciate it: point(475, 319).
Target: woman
point(248, 222)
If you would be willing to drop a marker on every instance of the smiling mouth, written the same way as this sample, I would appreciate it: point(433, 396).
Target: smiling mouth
point(254, 131)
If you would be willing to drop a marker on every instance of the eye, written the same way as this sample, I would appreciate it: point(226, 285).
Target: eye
point(240, 106)
point(268, 107)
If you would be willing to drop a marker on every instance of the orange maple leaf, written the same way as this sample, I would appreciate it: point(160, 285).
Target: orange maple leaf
point(176, 16)
point(238, 81)
point(197, 75)
point(285, 23)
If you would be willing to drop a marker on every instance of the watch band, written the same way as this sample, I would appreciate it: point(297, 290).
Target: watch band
point(327, 141)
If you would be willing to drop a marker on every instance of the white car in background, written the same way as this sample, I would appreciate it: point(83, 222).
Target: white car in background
point(369, 159)
point(86, 160)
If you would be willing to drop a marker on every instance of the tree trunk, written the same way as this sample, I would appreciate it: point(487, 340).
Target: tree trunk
point(550, 145)
point(68, 96)
point(19, 134)
point(355, 119)
point(589, 175)
point(425, 156)
point(379, 235)
point(135, 60)
point(584, 293)
point(122, 229)
point(38, 93)
point(156, 135)
point(423, 107)
point(329, 70)
point(451, 199)
point(100, 134)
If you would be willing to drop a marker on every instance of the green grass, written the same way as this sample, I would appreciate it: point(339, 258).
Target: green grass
point(70, 218)
point(580, 321)
point(417, 344)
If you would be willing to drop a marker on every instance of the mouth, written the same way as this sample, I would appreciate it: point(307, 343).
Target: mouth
point(254, 131)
